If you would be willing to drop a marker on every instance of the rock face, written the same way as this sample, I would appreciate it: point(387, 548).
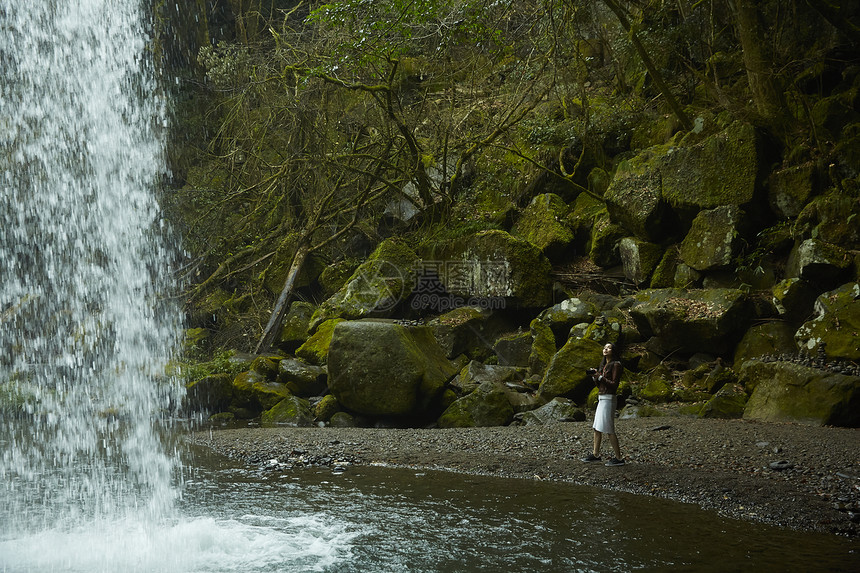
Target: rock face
point(380, 368)
point(721, 170)
point(467, 330)
point(789, 392)
point(376, 289)
point(486, 406)
point(692, 321)
point(495, 265)
point(543, 225)
point(566, 376)
point(836, 324)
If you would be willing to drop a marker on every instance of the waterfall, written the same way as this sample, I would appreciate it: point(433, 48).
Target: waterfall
point(86, 322)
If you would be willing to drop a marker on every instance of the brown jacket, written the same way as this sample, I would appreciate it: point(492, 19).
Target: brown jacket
point(608, 377)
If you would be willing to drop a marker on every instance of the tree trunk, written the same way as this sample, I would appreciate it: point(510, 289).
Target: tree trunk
point(767, 98)
point(656, 76)
point(281, 307)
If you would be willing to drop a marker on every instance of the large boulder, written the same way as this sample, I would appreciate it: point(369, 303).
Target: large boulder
point(467, 330)
point(315, 349)
point(210, 394)
point(556, 410)
point(768, 339)
point(381, 368)
point(794, 298)
point(721, 170)
point(790, 189)
point(693, 321)
point(543, 224)
point(833, 218)
point(474, 374)
point(819, 262)
point(294, 331)
point(789, 392)
point(291, 411)
point(486, 406)
point(302, 379)
point(714, 238)
point(376, 289)
point(639, 259)
point(566, 375)
point(254, 392)
point(836, 324)
point(543, 346)
point(728, 402)
point(605, 236)
point(513, 349)
point(495, 266)
point(635, 201)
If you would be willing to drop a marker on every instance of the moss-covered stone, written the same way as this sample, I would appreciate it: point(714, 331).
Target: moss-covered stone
point(721, 170)
point(495, 265)
point(342, 420)
point(819, 262)
point(768, 339)
point(266, 366)
point(664, 273)
point(543, 347)
point(836, 324)
point(302, 379)
point(794, 298)
point(210, 393)
point(543, 224)
point(605, 236)
point(557, 410)
point(714, 238)
point(380, 368)
point(315, 350)
point(635, 201)
point(254, 392)
point(486, 406)
point(581, 220)
point(790, 189)
point(514, 349)
point(335, 276)
point(290, 411)
point(377, 288)
point(639, 259)
point(655, 390)
point(294, 331)
point(566, 376)
point(833, 218)
point(789, 392)
point(327, 407)
point(468, 330)
point(728, 402)
point(604, 330)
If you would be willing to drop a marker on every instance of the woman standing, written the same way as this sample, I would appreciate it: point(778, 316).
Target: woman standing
point(607, 377)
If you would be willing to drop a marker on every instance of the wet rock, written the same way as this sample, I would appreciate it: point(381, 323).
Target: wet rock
point(819, 262)
point(315, 349)
point(486, 406)
point(291, 411)
point(514, 349)
point(210, 394)
point(765, 339)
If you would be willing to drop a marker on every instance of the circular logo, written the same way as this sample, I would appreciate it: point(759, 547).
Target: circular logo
point(380, 287)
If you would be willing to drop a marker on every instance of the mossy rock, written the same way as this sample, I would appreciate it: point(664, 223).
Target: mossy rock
point(342, 420)
point(210, 393)
point(543, 347)
point(633, 411)
point(486, 406)
point(664, 273)
point(290, 411)
point(468, 330)
point(729, 402)
point(315, 350)
point(335, 276)
point(474, 374)
point(604, 330)
point(819, 262)
point(655, 390)
point(196, 341)
point(693, 321)
point(790, 189)
point(566, 375)
point(586, 209)
point(639, 259)
point(302, 379)
point(327, 407)
point(380, 368)
point(833, 218)
point(605, 236)
point(635, 201)
point(714, 238)
point(294, 330)
point(495, 266)
point(835, 325)
point(514, 349)
point(543, 225)
point(376, 289)
point(721, 170)
point(565, 315)
point(266, 366)
point(768, 339)
point(789, 392)
point(557, 410)
point(276, 274)
point(794, 298)
point(254, 392)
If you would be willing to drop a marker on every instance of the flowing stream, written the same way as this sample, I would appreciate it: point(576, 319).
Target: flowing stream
point(89, 478)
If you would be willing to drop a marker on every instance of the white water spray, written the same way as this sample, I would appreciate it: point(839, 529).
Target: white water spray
point(85, 329)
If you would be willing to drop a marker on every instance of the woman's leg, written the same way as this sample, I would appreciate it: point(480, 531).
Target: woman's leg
point(613, 439)
point(597, 438)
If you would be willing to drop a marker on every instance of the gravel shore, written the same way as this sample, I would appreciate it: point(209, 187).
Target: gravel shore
point(800, 477)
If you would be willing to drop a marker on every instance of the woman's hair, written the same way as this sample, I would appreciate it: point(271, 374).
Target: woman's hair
point(614, 355)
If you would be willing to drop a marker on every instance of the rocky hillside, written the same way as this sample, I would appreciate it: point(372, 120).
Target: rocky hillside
point(459, 207)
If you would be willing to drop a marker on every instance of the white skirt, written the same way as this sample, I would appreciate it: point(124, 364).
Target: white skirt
point(604, 417)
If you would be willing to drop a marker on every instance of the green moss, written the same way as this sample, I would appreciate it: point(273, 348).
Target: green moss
point(315, 350)
point(326, 408)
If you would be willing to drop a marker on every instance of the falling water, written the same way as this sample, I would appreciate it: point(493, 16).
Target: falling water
point(85, 326)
